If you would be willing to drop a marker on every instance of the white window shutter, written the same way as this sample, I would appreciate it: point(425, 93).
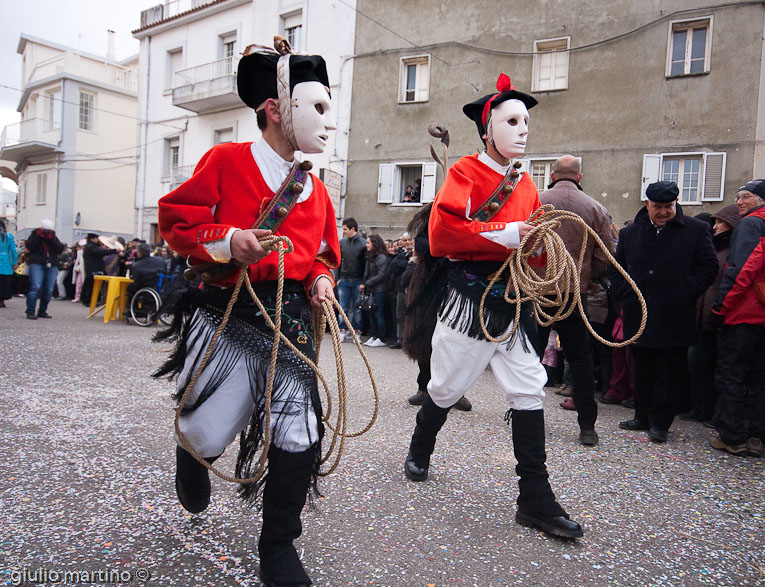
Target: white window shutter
point(429, 171)
point(651, 171)
point(714, 177)
point(385, 184)
point(525, 165)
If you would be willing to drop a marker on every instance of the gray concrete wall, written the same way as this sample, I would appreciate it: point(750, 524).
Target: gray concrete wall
point(619, 104)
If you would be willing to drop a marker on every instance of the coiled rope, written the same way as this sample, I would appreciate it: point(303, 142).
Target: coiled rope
point(553, 290)
point(282, 245)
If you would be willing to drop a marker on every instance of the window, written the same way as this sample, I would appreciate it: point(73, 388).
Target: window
point(540, 172)
point(42, 189)
point(394, 178)
point(172, 156)
point(227, 50)
point(173, 63)
point(550, 65)
point(292, 29)
point(414, 79)
point(54, 110)
point(87, 102)
point(224, 135)
point(700, 177)
point(689, 47)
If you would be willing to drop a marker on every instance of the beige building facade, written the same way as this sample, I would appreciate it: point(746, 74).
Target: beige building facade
point(640, 91)
point(74, 149)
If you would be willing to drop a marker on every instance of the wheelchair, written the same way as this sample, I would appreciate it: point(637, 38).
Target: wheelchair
point(146, 305)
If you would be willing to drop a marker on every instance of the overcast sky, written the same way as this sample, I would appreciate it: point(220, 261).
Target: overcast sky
point(79, 24)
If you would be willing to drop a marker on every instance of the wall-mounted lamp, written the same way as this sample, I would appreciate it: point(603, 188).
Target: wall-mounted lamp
point(77, 219)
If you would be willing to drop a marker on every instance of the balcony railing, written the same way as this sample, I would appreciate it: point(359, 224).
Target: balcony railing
point(71, 63)
point(205, 72)
point(210, 87)
point(180, 174)
point(34, 129)
point(169, 9)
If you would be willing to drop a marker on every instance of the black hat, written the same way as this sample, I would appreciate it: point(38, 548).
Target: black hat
point(256, 75)
point(756, 186)
point(478, 111)
point(91, 235)
point(662, 191)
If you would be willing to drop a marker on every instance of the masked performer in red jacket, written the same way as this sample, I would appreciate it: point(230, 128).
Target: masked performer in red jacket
point(209, 218)
point(478, 218)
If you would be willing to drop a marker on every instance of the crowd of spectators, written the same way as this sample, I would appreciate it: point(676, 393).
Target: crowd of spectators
point(41, 267)
point(683, 371)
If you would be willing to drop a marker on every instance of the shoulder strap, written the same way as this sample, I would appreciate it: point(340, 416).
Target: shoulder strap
point(277, 210)
point(499, 197)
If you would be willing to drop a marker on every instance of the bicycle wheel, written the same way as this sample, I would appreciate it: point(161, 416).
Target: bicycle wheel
point(144, 306)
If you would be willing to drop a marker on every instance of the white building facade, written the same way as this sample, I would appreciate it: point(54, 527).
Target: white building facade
point(74, 149)
point(188, 98)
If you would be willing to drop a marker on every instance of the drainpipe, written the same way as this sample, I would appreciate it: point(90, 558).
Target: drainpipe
point(143, 138)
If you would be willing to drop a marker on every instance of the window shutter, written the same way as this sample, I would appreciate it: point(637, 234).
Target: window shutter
point(714, 177)
point(429, 171)
point(651, 170)
point(385, 184)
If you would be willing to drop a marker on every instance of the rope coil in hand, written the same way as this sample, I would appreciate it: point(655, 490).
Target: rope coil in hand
point(282, 245)
point(554, 289)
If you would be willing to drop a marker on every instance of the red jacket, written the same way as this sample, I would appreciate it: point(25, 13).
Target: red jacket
point(227, 190)
point(454, 235)
point(736, 299)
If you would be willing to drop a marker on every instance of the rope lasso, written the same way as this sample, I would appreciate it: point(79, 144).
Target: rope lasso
point(282, 245)
point(553, 290)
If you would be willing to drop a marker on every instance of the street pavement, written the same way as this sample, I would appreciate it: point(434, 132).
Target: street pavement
point(87, 464)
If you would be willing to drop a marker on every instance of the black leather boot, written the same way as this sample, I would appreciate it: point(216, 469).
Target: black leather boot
point(537, 507)
point(430, 419)
point(192, 481)
point(284, 495)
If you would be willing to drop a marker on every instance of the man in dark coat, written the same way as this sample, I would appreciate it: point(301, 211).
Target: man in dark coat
point(44, 248)
point(145, 269)
point(93, 259)
point(671, 258)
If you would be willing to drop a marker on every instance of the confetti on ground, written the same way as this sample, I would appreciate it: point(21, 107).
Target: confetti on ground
point(86, 483)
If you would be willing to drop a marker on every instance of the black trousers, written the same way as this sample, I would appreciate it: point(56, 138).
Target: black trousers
point(702, 359)
point(740, 383)
point(659, 375)
point(423, 377)
point(577, 347)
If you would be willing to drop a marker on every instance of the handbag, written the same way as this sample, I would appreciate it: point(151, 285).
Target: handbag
point(20, 269)
point(366, 303)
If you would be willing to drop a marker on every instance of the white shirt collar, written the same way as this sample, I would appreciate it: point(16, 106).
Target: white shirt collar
point(492, 164)
point(274, 169)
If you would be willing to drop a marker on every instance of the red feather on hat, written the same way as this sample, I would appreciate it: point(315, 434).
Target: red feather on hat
point(504, 84)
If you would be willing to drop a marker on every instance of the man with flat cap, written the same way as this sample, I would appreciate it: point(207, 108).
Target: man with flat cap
point(740, 311)
point(672, 260)
point(478, 218)
point(238, 193)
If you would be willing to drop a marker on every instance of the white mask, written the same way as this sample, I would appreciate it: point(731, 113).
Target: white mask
point(312, 117)
point(509, 128)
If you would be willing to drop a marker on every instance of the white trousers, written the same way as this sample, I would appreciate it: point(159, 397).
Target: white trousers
point(214, 425)
point(459, 360)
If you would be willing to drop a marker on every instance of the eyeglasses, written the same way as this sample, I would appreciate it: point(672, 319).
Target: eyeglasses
point(744, 197)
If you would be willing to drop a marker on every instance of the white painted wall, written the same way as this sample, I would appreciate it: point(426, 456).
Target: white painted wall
point(328, 31)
